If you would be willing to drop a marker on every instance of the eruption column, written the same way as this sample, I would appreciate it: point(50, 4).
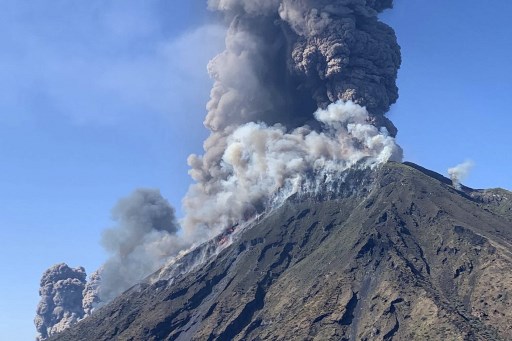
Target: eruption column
point(286, 63)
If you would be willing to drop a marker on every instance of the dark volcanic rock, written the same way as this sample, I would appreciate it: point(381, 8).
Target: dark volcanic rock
point(410, 259)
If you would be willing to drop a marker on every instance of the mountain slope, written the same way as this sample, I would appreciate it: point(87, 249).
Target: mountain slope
point(398, 254)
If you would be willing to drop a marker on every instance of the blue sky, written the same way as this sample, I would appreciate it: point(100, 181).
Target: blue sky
point(455, 85)
point(100, 97)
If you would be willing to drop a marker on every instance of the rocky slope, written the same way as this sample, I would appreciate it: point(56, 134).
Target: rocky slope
point(399, 254)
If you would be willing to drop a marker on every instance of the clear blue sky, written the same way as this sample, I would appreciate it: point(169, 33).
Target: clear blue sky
point(100, 97)
point(455, 86)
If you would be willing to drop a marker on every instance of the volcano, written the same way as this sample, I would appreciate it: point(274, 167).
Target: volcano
point(397, 253)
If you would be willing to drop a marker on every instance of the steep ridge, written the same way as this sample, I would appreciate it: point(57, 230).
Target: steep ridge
point(405, 256)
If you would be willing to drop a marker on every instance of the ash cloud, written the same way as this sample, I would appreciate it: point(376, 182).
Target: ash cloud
point(460, 172)
point(61, 300)
point(283, 59)
point(145, 233)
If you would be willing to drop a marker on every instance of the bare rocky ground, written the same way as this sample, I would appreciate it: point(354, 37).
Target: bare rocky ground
point(405, 256)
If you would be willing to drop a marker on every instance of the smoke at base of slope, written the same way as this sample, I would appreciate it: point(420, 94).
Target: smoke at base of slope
point(138, 245)
point(145, 232)
point(61, 300)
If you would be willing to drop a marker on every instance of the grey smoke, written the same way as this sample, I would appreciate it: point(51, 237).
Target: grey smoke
point(145, 233)
point(286, 58)
point(61, 300)
point(460, 172)
point(142, 239)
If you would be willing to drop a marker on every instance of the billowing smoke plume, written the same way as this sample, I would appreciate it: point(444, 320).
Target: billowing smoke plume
point(285, 62)
point(61, 300)
point(460, 172)
point(139, 243)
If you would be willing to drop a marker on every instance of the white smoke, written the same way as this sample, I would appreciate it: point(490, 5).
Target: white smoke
point(259, 161)
point(460, 172)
